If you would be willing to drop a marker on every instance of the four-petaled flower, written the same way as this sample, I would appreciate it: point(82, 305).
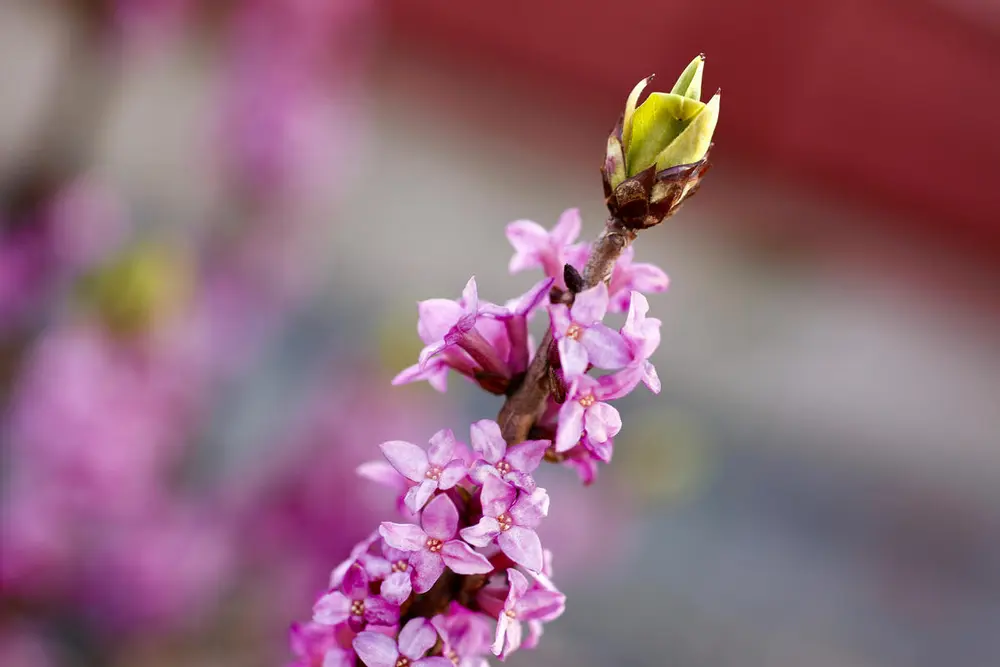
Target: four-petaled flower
point(584, 413)
point(355, 604)
point(415, 639)
point(437, 468)
point(433, 546)
point(533, 246)
point(510, 518)
point(513, 464)
point(523, 603)
point(582, 338)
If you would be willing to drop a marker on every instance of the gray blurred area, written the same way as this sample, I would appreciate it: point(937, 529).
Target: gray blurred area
point(818, 484)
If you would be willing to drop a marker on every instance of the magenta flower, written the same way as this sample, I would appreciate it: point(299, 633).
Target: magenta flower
point(523, 604)
point(584, 414)
point(533, 246)
point(582, 338)
point(642, 335)
point(432, 546)
point(510, 519)
point(415, 639)
point(512, 464)
point(458, 337)
point(466, 636)
point(514, 316)
point(354, 604)
point(437, 468)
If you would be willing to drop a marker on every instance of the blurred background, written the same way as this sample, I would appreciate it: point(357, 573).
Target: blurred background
point(217, 217)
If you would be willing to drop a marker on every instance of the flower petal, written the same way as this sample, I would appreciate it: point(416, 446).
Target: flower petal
point(427, 569)
point(437, 316)
point(442, 447)
point(452, 474)
point(332, 609)
point(483, 533)
point(487, 440)
point(650, 378)
point(527, 456)
point(523, 546)
point(440, 518)
point(541, 605)
point(568, 227)
point(407, 458)
point(376, 650)
point(560, 319)
point(382, 473)
point(418, 495)
point(590, 305)
point(403, 536)
point(460, 557)
point(497, 496)
point(531, 508)
point(433, 661)
point(480, 470)
point(355, 584)
point(508, 637)
point(605, 347)
point(570, 428)
point(602, 422)
point(416, 638)
point(527, 236)
point(379, 611)
point(573, 357)
point(396, 587)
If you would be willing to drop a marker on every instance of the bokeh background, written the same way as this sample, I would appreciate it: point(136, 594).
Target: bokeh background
point(217, 218)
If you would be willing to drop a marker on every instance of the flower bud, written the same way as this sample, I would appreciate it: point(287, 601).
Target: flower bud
point(657, 152)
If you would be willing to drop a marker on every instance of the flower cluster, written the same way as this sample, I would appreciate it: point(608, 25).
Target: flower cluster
point(466, 572)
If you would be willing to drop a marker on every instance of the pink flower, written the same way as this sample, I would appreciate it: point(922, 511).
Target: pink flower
point(515, 316)
point(437, 468)
point(432, 546)
point(582, 338)
point(466, 636)
point(533, 246)
point(355, 604)
point(523, 604)
point(585, 415)
point(510, 519)
point(642, 335)
point(415, 639)
point(512, 464)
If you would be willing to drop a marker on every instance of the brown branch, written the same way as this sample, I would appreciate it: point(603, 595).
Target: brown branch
point(525, 406)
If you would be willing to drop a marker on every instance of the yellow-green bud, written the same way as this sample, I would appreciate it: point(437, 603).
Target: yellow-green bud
point(668, 129)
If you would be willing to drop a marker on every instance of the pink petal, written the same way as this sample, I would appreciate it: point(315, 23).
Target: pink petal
point(442, 447)
point(602, 422)
point(523, 546)
point(541, 605)
point(332, 609)
point(396, 587)
point(403, 536)
point(527, 238)
point(460, 557)
point(568, 227)
point(637, 310)
point(434, 661)
point(527, 302)
point(507, 637)
point(470, 296)
point(528, 455)
point(416, 638)
point(570, 425)
point(427, 569)
point(481, 470)
point(559, 315)
point(355, 584)
point(379, 611)
point(376, 650)
point(572, 356)
point(487, 440)
point(616, 385)
point(418, 495)
point(452, 474)
point(382, 473)
point(497, 496)
point(440, 518)
point(521, 480)
point(605, 347)
point(531, 508)
point(429, 353)
point(650, 378)
point(601, 449)
point(590, 305)
point(483, 533)
point(407, 458)
point(518, 587)
point(437, 316)
point(647, 278)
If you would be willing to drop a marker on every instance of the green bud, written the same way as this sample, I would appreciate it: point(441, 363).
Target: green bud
point(669, 129)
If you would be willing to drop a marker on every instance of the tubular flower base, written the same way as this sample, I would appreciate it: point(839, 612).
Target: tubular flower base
point(465, 573)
